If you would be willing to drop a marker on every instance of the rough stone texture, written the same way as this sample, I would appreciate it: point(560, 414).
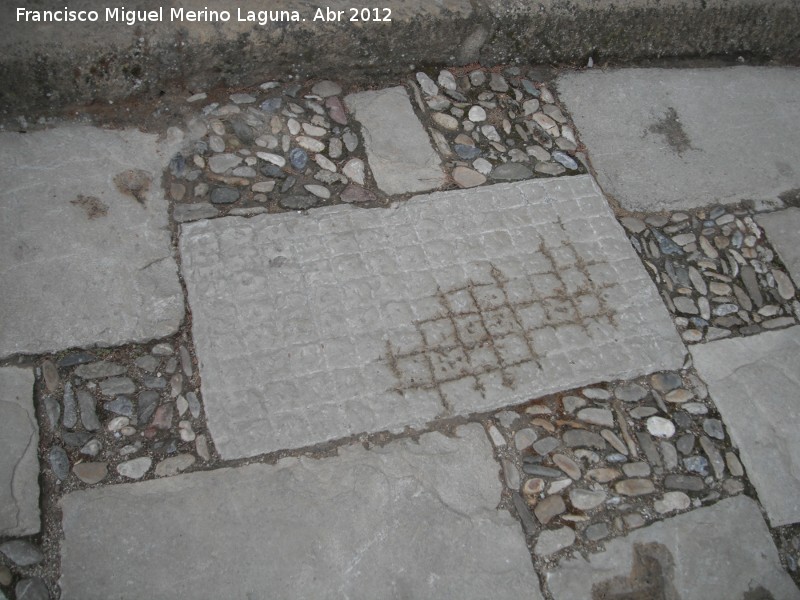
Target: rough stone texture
point(452, 303)
point(695, 556)
point(398, 149)
point(398, 522)
point(43, 64)
point(81, 262)
point(19, 465)
point(754, 382)
point(662, 138)
point(783, 231)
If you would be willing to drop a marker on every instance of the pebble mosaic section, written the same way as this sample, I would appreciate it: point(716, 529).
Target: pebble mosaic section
point(122, 415)
point(716, 271)
point(496, 126)
point(283, 147)
point(601, 461)
point(296, 146)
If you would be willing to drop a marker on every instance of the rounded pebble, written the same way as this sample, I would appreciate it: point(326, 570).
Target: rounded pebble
point(660, 427)
point(467, 178)
point(136, 468)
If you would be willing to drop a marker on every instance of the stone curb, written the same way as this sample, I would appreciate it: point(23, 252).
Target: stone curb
point(53, 64)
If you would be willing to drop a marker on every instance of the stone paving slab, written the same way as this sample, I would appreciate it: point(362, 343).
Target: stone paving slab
point(19, 463)
point(398, 149)
point(722, 551)
point(755, 383)
point(85, 255)
point(341, 321)
point(409, 520)
point(783, 231)
point(683, 138)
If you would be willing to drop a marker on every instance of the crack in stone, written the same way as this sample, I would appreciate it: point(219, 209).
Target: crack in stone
point(23, 454)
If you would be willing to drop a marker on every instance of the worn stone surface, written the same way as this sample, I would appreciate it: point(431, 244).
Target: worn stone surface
point(399, 505)
point(691, 557)
point(356, 331)
point(783, 230)
point(398, 149)
point(19, 464)
point(754, 382)
point(85, 253)
point(661, 138)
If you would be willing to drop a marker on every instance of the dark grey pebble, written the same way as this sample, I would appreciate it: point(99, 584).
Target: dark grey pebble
point(21, 553)
point(224, 195)
point(59, 462)
point(76, 358)
point(698, 323)
point(297, 202)
point(147, 405)
point(682, 419)
point(154, 383)
point(75, 439)
point(540, 471)
point(121, 405)
point(53, 410)
point(685, 444)
point(292, 90)
point(696, 464)
point(666, 245)
point(177, 166)
point(298, 158)
point(288, 183)
point(194, 404)
point(716, 213)
point(271, 105)
point(666, 382)
point(650, 450)
point(456, 95)
point(70, 407)
point(243, 131)
point(117, 385)
point(88, 406)
point(713, 427)
point(467, 152)
point(186, 361)
point(530, 88)
point(688, 483)
point(32, 589)
point(270, 170)
point(148, 363)
point(577, 438)
point(750, 281)
point(524, 514)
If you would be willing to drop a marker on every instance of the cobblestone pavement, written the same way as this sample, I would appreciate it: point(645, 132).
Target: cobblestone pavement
point(451, 367)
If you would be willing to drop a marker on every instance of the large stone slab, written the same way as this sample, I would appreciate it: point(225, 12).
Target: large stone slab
point(755, 383)
point(409, 520)
point(681, 138)
point(398, 149)
point(723, 551)
point(19, 463)
point(318, 326)
point(783, 232)
point(83, 261)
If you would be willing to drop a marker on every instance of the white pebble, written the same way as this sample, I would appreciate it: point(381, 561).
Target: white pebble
point(660, 427)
